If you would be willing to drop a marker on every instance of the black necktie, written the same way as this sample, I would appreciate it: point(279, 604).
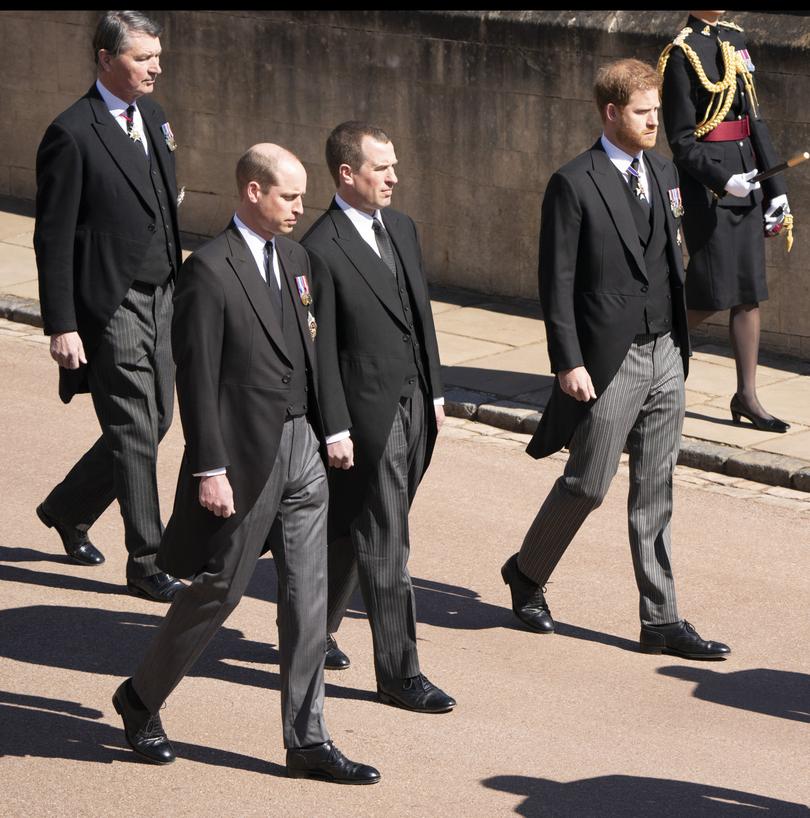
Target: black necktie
point(270, 276)
point(384, 246)
point(635, 182)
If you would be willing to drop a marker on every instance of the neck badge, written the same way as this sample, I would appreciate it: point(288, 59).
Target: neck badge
point(168, 136)
point(675, 202)
point(303, 291)
point(707, 31)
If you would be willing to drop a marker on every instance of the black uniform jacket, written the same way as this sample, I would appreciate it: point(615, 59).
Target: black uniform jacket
point(233, 375)
point(364, 348)
point(93, 223)
point(705, 167)
point(592, 281)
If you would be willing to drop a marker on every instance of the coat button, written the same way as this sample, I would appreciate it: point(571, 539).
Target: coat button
point(644, 288)
point(285, 379)
point(150, 228)
point(405, 338)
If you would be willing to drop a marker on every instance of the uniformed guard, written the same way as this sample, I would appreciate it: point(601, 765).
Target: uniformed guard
point(719, 143)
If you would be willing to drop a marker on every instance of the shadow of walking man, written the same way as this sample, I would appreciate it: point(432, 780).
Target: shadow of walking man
point(627, 796)
point(781, 693)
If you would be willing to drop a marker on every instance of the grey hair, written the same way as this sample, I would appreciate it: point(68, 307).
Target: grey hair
point(114, 28)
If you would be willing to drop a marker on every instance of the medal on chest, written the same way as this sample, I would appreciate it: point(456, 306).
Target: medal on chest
point(303, 291)
point(675, 202)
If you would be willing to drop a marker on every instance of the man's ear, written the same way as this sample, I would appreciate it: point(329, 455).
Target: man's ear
point(611, 112)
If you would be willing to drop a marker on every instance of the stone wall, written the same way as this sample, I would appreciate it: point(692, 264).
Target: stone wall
point(482, 108)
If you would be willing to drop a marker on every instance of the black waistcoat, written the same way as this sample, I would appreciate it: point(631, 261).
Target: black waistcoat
point(158, 261)
point(651, 225)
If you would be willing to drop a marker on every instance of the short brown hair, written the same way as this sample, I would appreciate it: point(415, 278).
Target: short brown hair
point(344, 145)
point(617, 81)
point(256, 166)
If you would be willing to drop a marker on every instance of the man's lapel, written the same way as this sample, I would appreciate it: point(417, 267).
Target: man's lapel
point(125, 154)
point(367, 263)
point(609, 184)
point(244, 265)
point(408, 254)
point(657, 171)
point(289, 272)
point(157, 145)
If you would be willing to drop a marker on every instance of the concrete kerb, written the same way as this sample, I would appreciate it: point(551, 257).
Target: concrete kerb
point(483, 407)
point(21, 310)
point(760, 467)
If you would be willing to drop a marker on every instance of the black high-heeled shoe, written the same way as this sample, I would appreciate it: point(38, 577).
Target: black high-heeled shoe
point(762, 423)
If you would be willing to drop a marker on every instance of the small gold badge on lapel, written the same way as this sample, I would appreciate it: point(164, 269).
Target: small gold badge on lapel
point(168, 136)
point(675, 202)
point(707, 31)
point(313, 327)
point(303, 291)
point(678, 236)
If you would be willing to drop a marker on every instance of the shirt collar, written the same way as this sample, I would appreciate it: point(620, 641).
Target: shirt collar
point(115, 105)
point(358, 218)
point(254, 241)
point(619, 158)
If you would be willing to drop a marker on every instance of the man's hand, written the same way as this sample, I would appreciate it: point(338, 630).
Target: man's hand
point(740, 185)
point(577, 383)
point(216, 495)
point(439, 415)
point(67, 350)
point(341, 453)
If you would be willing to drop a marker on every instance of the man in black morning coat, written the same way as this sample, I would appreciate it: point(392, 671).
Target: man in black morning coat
point(611, 286)
point(107, 248)
point(382, 402)
point(252, 476)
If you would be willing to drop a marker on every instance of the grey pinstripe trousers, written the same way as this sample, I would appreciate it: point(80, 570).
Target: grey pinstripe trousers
point(290, 513)
point(643, 406)
point(379, 546)
point(131, 379)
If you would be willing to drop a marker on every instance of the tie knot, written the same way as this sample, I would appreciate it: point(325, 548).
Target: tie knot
point(131, 111)
point(377, 225)
point(634, 164)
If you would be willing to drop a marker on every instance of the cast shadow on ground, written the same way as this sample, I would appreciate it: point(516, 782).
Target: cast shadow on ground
point(53, 728)
point(781, 693)
point(625, 796)
point(93, 640)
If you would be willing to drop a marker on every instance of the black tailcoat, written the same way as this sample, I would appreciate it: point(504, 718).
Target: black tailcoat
point(364, 347)
point(93, 218)
point(593, 280)
point(233, 380)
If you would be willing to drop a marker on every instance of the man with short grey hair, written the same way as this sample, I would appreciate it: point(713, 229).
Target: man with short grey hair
point(107, 248)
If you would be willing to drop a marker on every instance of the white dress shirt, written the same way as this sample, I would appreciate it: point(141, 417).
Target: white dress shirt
point(364, 223)
point(621, 162)
point(118, 108)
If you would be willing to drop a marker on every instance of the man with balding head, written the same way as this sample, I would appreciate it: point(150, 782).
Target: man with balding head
point(252, 476)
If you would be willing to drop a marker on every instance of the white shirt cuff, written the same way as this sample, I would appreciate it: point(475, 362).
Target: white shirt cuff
point(438, 401)
point(212, 473)
point(339, 436)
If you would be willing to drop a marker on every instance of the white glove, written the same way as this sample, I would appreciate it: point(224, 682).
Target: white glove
point(739, 185)
point(774, 217)
point(773, 205)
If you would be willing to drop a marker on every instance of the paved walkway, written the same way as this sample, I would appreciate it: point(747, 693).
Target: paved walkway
point(496, 371)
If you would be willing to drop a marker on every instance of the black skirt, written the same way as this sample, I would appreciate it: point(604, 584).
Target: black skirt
point(726, 257)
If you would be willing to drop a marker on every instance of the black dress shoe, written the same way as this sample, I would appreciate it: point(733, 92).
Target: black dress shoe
point(416, 693)
point(325, 762)
point(144, 732)
point(680, 639)
point(76, 543)
point(160, 587)
point(336, 659)
point(528, 601)
point(769, 424)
